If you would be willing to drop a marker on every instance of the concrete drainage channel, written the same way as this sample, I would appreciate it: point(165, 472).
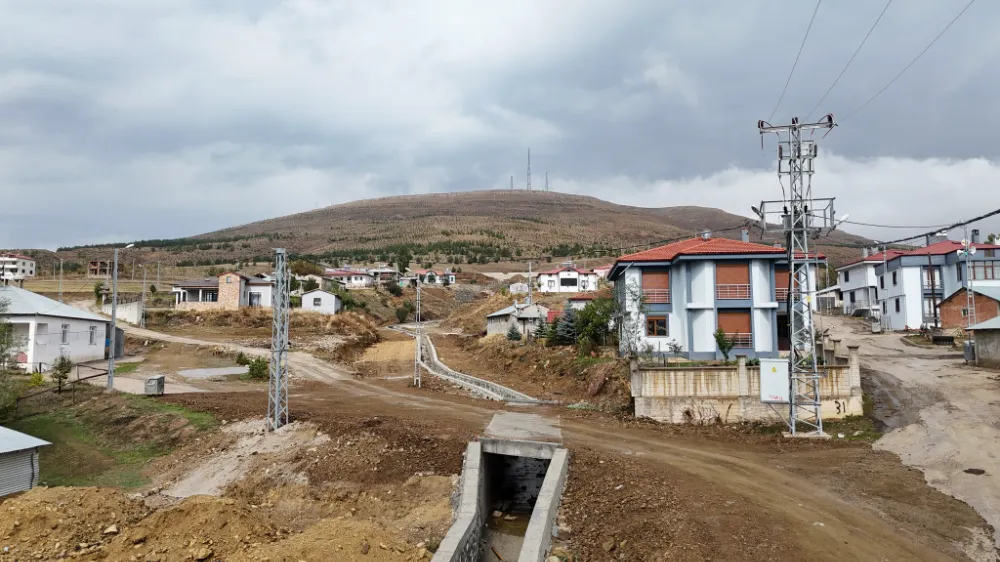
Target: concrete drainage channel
point(509, 493)
point(479, 387)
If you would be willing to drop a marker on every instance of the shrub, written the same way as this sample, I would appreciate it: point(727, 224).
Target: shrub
point(513, 334)
point(394, 289)
point(152, 289)
point(61, 369)
point(401, 314)
point(36, 379)
point(242, 359)
point(258, 369)
point(724, 343)
point(309, 285)
point(98, 288)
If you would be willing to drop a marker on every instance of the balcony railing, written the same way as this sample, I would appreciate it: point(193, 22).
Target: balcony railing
point(741, 340)
point(729, 292)
point(656, 296)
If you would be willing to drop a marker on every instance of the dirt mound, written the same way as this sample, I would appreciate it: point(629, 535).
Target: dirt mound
point(248, 318)
point(471, 317)
point(52, 522)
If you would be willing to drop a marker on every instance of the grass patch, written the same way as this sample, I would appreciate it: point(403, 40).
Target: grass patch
point(127, 368)
point(585, 362)
point(142, 404)
point(854, 428)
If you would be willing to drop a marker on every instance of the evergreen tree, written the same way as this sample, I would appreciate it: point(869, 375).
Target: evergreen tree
point(552, 332)
point(513, 334)
point(541, 331)
point(566, 332)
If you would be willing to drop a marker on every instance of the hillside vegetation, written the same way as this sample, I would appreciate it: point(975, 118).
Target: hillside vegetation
point(477, 227)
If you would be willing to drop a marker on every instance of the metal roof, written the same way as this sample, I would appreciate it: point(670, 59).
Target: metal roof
point(12, 441)
point(991, 324)
point(198, 283)
point(25, 303)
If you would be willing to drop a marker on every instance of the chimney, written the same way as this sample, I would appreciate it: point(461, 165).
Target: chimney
point(778, 245)
point(864, 252)
point(745, 234)
point(975, 236)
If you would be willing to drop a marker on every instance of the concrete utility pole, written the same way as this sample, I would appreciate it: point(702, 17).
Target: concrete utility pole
point(133, 269)
point(60, 278)
point(142, 303)
point(277, 386)
point(114, 320)
point(157, 275)
point(529, 283)
point(802, 216)
point(417, 341)
point(546, 181)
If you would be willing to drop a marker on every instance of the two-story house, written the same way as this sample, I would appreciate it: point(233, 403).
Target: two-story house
point(228, 291)
point(682, 293)
point(16, 267)
point(912, 284)
point(859, 284)
point(567, 279)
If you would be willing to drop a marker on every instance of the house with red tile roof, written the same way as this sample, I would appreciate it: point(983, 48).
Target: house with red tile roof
point(913, 284)
point(567, 279)
point(681, 293)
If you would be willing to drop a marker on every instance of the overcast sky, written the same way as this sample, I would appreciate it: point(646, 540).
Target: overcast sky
point(125, 119)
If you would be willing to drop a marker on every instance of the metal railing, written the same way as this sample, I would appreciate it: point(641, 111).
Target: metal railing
point(656, 296)
point(741, 340)
point(732, 291)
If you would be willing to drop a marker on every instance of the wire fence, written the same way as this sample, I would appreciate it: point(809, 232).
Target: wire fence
point(58, 394)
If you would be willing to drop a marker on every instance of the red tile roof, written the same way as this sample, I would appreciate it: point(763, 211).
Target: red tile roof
point(946, 247)
point(17, 256)
point(699, 247)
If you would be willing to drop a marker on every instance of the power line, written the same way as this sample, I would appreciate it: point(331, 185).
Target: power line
point(794, 64)
point(895, 225)
point(849, 61)
point(921, 235)
point(915, 59)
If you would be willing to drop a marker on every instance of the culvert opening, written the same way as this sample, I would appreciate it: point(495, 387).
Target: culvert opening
point(512, 487)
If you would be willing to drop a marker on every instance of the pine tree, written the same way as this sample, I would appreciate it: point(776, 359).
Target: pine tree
point(552, 332)
point(541, 331)
point(566, 332)
point(513, 334)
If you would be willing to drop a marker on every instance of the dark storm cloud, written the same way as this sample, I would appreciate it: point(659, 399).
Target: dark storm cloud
point(175, 118)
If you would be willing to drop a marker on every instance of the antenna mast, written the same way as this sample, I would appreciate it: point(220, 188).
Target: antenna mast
point(529, 168)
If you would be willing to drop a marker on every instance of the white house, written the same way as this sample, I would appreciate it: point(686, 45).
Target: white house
point(518, 288)
point(859, 285)
point(525, 316)
point(350, 279)
point(580, 301)
point(682, 293)
point(318, 300)
point(47, 329)
point(18, 461)
point(910, 288)
point(431, 277)
point(260, 291)
point(567, 279)
point(16, 267)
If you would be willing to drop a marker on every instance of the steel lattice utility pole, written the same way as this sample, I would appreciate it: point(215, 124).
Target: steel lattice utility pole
point(418, 344)
point(802, 216)
point(277, 391)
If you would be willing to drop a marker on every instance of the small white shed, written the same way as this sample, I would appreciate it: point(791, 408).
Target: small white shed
point(319, 300)
point(18, 461)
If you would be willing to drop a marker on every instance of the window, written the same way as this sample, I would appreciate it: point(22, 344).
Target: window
point(552, 284)
point(42, 334)
point(656, 326)
point(965, 312)
point(894, 280)
point(211, 296)
point(853, 298)
point(65, 334)
point(229, 279)
point(958, 272)
point(318, 301)
point(897, 304)
point(567, 282)
point(93, 335)
point(847, 277)
point(884, 311)
point(881, 281)
point(989, 269)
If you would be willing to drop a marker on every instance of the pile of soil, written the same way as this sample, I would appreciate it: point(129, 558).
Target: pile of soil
point(551, 373)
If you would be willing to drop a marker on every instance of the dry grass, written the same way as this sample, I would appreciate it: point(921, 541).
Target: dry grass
point(347, 323)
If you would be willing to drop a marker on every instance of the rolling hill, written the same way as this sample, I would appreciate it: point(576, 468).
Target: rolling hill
point(478, 227)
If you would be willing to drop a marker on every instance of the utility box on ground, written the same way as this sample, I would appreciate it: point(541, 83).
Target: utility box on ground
point(154, 385)
point(969, 348)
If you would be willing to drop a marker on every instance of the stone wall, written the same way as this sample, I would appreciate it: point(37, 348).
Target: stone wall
point(230, 293)
point(192, 305)
point(732, 394)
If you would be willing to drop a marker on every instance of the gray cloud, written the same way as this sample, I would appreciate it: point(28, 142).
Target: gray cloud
point(151, 119)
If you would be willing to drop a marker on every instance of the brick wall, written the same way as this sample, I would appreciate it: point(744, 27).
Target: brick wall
point(951, 310)
point(229, 293)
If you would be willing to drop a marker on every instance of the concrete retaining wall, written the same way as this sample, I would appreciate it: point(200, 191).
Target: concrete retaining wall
point(484, 388)
point(130, 312)
point(988, 348)
point(541, 526)
point(461, 544)
point(732, 394)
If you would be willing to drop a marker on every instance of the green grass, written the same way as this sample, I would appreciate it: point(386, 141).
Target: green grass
point(584, 362)
point(87, 450)
point(854, 428)
point(126, 368)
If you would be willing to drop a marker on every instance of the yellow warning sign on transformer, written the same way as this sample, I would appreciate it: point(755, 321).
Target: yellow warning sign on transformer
point(774, 369)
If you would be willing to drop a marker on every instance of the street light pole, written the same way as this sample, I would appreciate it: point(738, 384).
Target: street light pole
point(142, 303)
point(114, 320)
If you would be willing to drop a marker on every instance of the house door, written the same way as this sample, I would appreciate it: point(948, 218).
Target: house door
point(784, 336)
point(254, 299)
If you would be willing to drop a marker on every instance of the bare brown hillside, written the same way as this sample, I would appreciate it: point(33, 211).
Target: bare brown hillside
point(480, 227)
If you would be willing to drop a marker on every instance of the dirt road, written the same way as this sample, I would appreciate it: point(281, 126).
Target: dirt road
point(943, 416)
point(808, 496)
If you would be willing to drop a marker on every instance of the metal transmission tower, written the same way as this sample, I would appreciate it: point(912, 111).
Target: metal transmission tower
point(802, 217)
point(416, 353)
point(529, 169)
point(277, 390)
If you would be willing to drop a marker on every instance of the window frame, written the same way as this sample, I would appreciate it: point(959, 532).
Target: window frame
point(93, 335)
point(897, 305)
point(64, 334)
point(317, 301)
point(847, 276)
point(655, 320)
point(895, 281)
